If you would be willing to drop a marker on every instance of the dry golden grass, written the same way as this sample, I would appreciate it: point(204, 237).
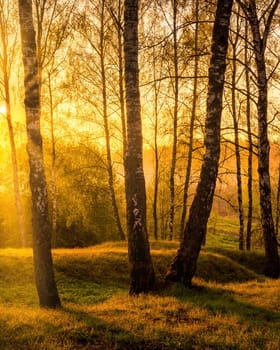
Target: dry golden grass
point(237, 311)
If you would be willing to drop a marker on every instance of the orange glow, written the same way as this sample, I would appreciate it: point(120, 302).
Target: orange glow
point(3, 109)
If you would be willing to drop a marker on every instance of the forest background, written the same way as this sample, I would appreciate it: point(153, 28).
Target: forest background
point(79, 48)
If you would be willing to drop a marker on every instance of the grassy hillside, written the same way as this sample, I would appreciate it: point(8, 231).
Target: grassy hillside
point(231, 306)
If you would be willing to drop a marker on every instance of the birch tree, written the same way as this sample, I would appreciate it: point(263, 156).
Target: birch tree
point(234, 41)
point(192, 120)
point(142, 275)
point(43, 264)
point(260, 27)
point(52, 18)
point(184, 265)
point(175, 120)
point(102, 53)
point(247, 60)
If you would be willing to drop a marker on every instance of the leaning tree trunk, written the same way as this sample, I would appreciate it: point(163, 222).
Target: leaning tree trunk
point(184, 265)
point(271, 268)
point(43, 264)
point(141, 269)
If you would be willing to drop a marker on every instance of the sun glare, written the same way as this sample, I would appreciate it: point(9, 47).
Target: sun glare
point(3, 109)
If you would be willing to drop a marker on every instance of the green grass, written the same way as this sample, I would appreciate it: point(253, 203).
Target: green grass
point(231, 306)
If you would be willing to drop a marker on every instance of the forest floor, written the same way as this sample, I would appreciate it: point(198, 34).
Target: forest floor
point(231, 305)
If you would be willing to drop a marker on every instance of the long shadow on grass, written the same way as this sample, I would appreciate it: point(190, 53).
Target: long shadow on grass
point(223, 302)
point(98, 334)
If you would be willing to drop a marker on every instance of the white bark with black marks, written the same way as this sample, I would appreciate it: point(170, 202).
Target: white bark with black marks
point(43, 264)
point(260, 32)
point(184, 265)
point(141, 269)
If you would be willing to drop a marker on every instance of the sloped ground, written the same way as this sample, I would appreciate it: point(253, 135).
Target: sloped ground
point(231, 306)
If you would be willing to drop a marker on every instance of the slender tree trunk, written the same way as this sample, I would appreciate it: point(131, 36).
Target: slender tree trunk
point(142, 275)
point(272, 268)
point(118, 24)
point(272, 259)
point(6, 94)
point(40, 7)
point(192, 120)
point(184, 265)
point(156, 155)
point(156, 88)
point(121, 82)
point(156, 179)
point(250, 145)
point(234, 43)
point(175, 123)
point(106, 128)
point(43, 264)
point(20, 218)
point(53, 169)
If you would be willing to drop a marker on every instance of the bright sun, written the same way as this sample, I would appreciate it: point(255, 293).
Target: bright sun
point(3, 109)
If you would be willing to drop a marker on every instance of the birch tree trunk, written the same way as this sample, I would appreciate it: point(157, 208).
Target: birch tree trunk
point(53, 167)
point(234, 44)
point(250, 144)
point(119, 28)
point(121, 77)
point(46, 14)
point(184, 265)
point(192, 121)
point(43, 264)
point(156, 88)
point(271, 268)
point(175, 122)
point(106, 126)
point(156, 148)
point(141, 269)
